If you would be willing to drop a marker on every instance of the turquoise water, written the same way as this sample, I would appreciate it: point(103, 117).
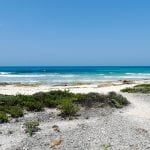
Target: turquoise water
point(64, 74)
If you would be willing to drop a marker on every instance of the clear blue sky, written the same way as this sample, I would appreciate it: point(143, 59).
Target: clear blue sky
point(74, 32)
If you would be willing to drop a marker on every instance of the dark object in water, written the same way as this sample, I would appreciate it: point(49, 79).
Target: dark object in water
point(127, 82)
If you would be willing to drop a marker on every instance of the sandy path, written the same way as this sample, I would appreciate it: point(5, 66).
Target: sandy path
point(139, 107)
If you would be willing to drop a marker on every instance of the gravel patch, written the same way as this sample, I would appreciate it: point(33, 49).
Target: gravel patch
point(96, 129)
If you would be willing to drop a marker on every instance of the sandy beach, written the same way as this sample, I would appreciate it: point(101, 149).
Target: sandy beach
point(96, 129)
point(101, 87)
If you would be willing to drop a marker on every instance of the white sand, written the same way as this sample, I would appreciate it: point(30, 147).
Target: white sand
point(28, 90)
point(139, 107)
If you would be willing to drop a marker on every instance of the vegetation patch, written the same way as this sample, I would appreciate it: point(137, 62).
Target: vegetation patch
point(117, 100)
point(3, 117)
point(31, 127)
point(67, 102)
point(141, 88)
point(14, 111)
point(33, 105)
point(95, 99)
point(68, 108)
point(91, 99)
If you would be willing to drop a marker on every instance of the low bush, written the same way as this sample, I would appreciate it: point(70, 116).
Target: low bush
point(95, 99)
point(128, 90)
point(143, 85)
point(68, 108)
point(117, 100)
point(67, 102)
point(33, 105)
point(56, 95)
point(9, 100)
point(51, 103)
point(141, 88)
point(14, 111)
point(31, 127)
point(3, 117)
point(40, 96)
point(52, 99)
point(90, 99)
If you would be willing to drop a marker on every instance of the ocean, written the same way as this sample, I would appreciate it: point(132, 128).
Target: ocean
point(66, 74)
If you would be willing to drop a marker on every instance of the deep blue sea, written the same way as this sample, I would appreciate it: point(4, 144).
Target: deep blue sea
point(68, 74)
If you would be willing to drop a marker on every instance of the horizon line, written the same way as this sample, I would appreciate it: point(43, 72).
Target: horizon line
point(75, 66)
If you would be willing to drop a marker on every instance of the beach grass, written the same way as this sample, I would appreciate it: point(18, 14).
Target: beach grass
point(3, 117)
point(68, 108)
point(31, 127)
point(68, 103)
point(141, 88)
point(14, 111)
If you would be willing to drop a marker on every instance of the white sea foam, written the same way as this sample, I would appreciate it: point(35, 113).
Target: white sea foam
point(135, 76)
point(27, 75)
point(143, 74)
point(130, 73)
point(42, 75)
point(5, 73)
point(67, 78)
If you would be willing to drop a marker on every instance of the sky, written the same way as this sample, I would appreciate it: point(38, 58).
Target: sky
point(74, 32)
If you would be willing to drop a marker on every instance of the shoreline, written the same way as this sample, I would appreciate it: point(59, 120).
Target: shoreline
point(100, 87)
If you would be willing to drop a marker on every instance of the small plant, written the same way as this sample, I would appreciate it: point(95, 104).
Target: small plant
point(56, 128)
point(90, 99)
point(95, 99)
point(3, 117)
point(141, 88)
point(31, 127)
point(33, 105)
point(106, 146)
point(15, 111)
point(117, 100)
point(40, 96)
point(9, 100)
point(51, 103)
point(143, 85)
point(68, 108)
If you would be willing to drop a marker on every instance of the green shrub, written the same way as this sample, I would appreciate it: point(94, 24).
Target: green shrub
point(129, 90)
point(67, 102)
point(96, 99)
point(31, 127)
point(143, 85)
point(15, 111)
point(33, 105)
point(141, 88)
point(51, 99)
point(40, 96)
point(51, 103)
point(9, 100)
point(68, 108)
point(3, 117)
point(117, 100)
point(90, 99)
point(57, 95)
point(3, 108)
